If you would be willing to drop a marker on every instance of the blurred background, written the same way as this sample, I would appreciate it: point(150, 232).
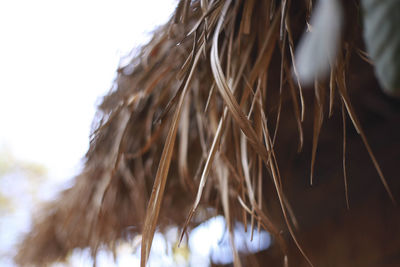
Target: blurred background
point(57, 58)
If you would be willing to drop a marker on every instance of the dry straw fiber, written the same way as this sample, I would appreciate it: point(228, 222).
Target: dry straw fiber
point(211, 113)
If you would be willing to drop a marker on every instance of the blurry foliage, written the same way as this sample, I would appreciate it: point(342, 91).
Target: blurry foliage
point(9, 164)
point(181, 253)
point(33, 174)
point(382, 38)
point(5, 204)
point(321, 42)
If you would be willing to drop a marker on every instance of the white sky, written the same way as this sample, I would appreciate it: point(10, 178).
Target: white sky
point(56, 59)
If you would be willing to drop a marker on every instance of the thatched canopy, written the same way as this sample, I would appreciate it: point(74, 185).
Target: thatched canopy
point(211, 114)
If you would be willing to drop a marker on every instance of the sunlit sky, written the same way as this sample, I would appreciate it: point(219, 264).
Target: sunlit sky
point(57, 58)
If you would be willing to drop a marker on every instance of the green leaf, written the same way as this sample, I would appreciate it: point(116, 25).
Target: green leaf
point(382, 38)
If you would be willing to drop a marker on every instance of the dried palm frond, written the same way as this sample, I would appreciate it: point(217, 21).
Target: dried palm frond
point(195, 121)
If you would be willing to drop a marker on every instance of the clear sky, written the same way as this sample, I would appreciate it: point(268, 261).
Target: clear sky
point(57, 58)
